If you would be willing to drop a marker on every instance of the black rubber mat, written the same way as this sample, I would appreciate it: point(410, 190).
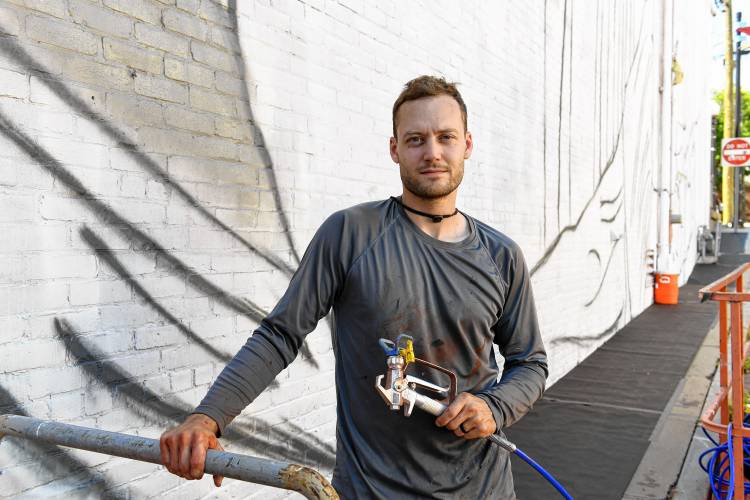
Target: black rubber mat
point(592, 427)
point(561, 437)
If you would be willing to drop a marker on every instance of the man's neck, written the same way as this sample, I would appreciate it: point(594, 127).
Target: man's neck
point(450, 229)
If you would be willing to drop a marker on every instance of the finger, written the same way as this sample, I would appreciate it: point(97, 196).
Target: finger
point(450, 413)
point(473, 428)
point(184, 456)
point(215, 444)
point(164, 449)
point(458, 431)
point(472, 420)
point(197, 459)
point(454, 425)
point(174, 457)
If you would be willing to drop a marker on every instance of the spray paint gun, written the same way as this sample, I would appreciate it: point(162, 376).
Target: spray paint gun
point(400, 390)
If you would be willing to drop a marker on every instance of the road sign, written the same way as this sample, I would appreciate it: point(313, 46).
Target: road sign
point(735, 152)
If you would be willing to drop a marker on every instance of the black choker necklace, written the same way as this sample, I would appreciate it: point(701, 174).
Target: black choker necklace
point(434, 218)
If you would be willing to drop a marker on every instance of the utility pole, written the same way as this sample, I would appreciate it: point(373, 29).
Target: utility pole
point(738, 188)
point(727, 174)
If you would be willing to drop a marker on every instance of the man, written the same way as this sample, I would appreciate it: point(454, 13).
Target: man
point(411, 265)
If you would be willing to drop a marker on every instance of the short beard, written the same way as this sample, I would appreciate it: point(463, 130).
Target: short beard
point(432, 191)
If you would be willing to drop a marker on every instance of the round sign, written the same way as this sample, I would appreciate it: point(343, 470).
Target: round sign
point(735, 152)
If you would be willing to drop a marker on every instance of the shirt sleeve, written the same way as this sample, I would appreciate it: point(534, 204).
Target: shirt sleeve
point(278, 338)
point(520, 341)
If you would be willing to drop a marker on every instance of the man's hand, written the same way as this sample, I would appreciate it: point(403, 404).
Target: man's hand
point(183, 448)
point(468, 416)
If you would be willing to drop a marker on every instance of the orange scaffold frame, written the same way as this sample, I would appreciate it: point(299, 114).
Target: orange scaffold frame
point(730, 389)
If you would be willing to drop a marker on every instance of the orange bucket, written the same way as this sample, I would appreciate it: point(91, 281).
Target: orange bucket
point(666, 290)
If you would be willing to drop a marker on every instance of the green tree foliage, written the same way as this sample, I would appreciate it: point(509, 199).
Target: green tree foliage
point(744, 132)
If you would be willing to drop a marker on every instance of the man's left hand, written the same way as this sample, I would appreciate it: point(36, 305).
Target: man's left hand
point(469, 417)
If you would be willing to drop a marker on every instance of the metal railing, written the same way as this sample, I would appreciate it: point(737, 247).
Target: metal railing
point(304, 480)
point(732, 348)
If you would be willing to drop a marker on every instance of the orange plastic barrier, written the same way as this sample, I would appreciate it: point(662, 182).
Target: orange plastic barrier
point(733, 350)
point(666, 290)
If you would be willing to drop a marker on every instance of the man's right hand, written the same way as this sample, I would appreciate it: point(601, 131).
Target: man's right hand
point(183, 448)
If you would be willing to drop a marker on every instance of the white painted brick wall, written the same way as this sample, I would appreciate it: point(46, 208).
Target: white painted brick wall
point(172, 78)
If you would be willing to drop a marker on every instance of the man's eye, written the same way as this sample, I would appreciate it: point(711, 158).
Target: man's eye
point(448, 137)
point(414, 140)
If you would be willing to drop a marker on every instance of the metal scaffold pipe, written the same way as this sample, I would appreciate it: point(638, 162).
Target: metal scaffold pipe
point(304, 480)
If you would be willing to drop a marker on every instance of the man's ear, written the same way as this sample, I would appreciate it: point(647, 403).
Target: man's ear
point(469, 145)
point(393, 146)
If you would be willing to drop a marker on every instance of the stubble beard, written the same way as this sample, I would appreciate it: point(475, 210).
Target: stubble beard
point(431, 190)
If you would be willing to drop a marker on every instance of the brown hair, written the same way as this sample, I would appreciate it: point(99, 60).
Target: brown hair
point(428, 86)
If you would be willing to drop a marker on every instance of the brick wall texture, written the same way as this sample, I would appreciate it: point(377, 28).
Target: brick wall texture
point(163, 165)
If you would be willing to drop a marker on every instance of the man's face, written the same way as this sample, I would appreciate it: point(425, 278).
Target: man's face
point(431, 146)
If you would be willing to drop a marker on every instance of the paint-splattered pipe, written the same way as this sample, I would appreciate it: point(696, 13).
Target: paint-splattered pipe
point(304, 480)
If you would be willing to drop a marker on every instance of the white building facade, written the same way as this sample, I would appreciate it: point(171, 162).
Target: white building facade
point(164, 163)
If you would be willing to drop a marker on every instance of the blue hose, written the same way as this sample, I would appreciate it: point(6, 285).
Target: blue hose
point(544, 473)
point(720, 464)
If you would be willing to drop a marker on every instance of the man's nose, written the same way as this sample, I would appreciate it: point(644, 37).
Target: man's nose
point(432, 150)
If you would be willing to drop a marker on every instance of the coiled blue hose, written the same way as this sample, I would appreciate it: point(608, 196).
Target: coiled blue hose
point(720, 464)
point(544, 473)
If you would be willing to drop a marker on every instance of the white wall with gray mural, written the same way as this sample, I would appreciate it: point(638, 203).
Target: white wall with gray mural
point(164, 163)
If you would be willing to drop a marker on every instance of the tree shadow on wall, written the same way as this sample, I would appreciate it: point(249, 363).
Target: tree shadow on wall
point(54, 459)
point(107, 372)
point(157, 409)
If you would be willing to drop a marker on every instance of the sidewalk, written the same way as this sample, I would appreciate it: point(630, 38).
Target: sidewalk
point(619, 424)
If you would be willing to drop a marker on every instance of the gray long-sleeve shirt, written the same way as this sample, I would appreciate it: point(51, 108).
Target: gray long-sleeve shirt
point(383, 276)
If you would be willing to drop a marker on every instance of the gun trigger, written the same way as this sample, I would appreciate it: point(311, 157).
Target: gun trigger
point(426, 385)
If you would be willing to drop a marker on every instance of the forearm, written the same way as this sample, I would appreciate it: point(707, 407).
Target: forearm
point(251, 370)
point(275, 343)
point(516, 392)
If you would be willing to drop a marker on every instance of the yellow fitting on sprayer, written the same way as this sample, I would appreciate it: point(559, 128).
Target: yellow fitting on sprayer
point(408, 352)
